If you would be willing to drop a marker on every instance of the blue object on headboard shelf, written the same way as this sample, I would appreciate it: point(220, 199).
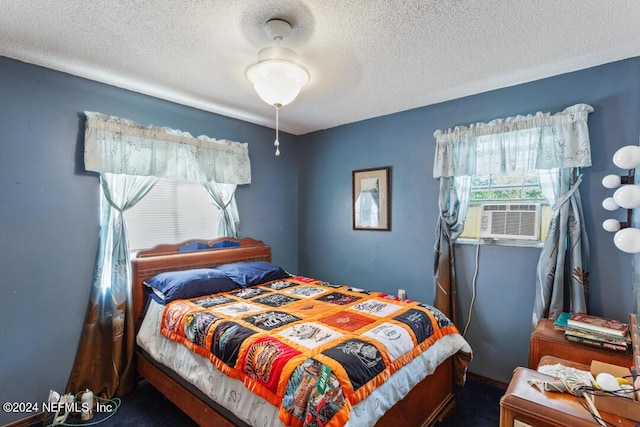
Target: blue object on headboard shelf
point(226, 244)
point(197, 246)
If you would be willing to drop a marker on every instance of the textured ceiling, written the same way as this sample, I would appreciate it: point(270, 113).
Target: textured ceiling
point(366, 58)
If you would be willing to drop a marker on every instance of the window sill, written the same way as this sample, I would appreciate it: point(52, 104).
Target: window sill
point(500, 242)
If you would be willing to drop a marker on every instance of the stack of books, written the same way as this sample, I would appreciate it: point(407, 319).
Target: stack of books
point(595, 331)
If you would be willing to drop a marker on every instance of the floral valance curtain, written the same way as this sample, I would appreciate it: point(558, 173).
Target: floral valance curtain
point(557, 145)
point(121, 146)
point(552, 141)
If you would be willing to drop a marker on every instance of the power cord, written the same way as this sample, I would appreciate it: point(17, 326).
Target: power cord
point(584, 395)
point(474, 285)
point(591, 391)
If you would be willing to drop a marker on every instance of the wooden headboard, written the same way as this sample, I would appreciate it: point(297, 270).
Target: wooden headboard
point(163, 258)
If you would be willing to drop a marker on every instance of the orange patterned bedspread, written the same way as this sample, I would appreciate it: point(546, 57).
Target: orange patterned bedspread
point(311, 348)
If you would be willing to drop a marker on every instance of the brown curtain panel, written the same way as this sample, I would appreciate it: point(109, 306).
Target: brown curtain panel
point(104, 361)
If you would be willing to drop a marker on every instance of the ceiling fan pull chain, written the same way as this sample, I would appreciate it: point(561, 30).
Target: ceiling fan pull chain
point(277, 141)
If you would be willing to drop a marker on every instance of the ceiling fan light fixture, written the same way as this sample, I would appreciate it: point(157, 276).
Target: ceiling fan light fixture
point(277, 77)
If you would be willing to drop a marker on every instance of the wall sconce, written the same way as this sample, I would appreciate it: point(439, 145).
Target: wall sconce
point(277, 77)
point(627, 196)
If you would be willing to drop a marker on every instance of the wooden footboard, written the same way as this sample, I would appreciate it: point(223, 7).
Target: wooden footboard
point(425, 404)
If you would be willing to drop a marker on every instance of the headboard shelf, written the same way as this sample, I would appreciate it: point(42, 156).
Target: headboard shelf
point(172, 248)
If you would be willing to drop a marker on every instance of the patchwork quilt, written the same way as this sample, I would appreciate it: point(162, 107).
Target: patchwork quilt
point(311, 348)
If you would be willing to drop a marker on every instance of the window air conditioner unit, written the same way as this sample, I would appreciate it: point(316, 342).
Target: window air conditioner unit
point(510, 221)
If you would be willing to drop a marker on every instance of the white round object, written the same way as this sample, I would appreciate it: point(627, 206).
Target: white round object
point(628, 240)
point(611, 225)
point(607, 382)
point(611, 181)
point(610, 204)
point(627, 196)
point(277, 79)
point(627, 157)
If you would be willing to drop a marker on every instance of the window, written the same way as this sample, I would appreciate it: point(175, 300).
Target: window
point(172, 212)
point(557, 146)
point(519, 193)
point(513, 201)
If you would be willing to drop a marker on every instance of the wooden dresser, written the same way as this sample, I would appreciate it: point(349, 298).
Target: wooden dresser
point(547, 340)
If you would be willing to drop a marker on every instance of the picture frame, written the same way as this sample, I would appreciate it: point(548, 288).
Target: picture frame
point(371, 199)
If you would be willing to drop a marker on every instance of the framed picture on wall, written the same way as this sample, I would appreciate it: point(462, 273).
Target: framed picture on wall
point(371, 199)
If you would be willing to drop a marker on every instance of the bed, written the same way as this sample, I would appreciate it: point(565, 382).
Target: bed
point(418, 394)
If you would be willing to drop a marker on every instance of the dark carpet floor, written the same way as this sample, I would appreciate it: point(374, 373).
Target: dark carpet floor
point(477, 405)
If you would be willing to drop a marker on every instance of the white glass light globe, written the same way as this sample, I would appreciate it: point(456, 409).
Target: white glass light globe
point(611, 225)
point(628, 240)
point(611, 181)
point(627, 157)
point(610, 204)
point(277, 81)
point(627, 196)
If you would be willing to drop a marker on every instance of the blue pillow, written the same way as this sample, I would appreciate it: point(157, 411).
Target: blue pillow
point(166, 287)
point(252, 273)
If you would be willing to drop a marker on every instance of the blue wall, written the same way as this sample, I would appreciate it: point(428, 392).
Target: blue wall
point(49, 213)
point(403, 258)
